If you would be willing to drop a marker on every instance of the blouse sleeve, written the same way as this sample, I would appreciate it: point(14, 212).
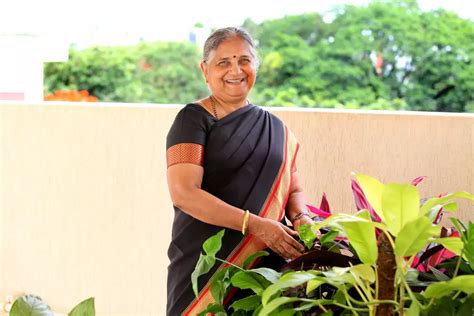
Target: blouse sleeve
point(186, 139)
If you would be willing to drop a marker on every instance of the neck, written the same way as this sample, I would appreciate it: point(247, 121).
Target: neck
point(231, 105)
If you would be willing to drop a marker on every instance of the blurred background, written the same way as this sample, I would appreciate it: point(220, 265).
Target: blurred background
point(391, 54)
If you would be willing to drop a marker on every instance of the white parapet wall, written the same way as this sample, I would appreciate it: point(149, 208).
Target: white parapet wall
point(84, 206)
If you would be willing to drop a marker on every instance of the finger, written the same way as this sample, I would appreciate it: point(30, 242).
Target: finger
point(290, 252)
point(289, 230)
point(294, 244)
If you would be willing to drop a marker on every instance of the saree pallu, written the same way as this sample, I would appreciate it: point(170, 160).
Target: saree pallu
point(248, 157)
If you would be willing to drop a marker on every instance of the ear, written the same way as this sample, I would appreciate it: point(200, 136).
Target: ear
point(203, 67)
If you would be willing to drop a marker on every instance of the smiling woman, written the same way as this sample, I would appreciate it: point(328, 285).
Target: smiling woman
point(231, 164)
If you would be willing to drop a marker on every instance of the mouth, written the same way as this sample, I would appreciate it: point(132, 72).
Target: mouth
point(234, 81)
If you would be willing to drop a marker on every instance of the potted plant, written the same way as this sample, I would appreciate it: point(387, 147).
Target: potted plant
point(391, 257)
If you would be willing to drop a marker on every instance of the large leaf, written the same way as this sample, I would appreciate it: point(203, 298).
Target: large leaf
point(313, 285)
point(469, 244)
point(30, 305)
point(307, 235)
point(205, 262)
point(429, 204)
point(372, 189)
point(290, 279)
point(361, 235)
point(203, 266)
point(275, 303)
point(400, 205)
point(249, 303)
point(414, 236)
point(85, 308)
point(269, 274)
point(249, 280)
point(250, 259)
point(328, 237)
point(363, 272)
point(213, 244)
point(463, 283)
point(453, 244)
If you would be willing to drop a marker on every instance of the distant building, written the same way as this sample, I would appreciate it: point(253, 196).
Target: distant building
point(21, 65)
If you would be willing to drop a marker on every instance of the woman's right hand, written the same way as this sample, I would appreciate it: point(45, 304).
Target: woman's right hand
point(276, 236)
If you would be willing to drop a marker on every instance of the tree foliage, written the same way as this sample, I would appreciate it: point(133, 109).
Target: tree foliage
point(387, 55)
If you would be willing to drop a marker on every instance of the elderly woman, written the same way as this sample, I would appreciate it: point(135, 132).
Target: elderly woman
point(231, 165)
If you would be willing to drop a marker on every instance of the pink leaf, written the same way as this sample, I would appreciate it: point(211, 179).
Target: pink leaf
point(361, 201)
point(418, 180)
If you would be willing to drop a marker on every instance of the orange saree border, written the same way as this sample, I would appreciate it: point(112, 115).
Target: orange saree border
point(273, 208)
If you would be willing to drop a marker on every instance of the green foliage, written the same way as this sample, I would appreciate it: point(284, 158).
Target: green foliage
point(427, 59)
point(149, 72)
point(207, 260)
point(307, 235)
point(31, 305)
point(408, 229)
point(305, 61)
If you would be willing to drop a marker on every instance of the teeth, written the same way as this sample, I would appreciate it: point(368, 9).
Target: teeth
point(234, 80)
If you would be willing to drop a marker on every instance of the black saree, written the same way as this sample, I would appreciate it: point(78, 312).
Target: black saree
point(247, 158)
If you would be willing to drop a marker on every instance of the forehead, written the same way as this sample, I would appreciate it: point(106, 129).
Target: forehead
point(235, 46)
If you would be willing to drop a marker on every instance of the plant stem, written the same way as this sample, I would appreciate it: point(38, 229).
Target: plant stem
point(458, 264)
point(230, 263)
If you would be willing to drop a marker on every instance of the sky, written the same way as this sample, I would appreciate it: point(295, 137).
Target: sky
point(123, 22)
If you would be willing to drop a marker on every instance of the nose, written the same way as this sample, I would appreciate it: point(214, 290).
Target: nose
point(235, 68)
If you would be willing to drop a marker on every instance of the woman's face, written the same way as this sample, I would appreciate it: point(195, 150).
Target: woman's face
point(231, 70)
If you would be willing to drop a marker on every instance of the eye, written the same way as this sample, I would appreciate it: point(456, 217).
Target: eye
point(223, 63)
point(245, 61)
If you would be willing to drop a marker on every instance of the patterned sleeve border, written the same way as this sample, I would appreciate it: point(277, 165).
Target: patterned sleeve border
point(185, 153)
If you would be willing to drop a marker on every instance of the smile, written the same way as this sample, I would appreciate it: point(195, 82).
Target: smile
point(234, 81)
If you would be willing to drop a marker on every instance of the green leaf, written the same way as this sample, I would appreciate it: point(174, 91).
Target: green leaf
point(469, 244)
point(361, 235)
point(203, 266)
point(414, 309)
point(248, 303)
point(307, 235)
point(451, 207)
point(252, 257)
point(213, 244)
point(364, 272)
point(215, 309)
point(440, 276)
point(400, 205)
point(218, 291)
point(85, 308)
point(453, 244)
point(429, 204)
point(30, 305)
point(277, 302)
point(328, 237)
point(467, 307)
point(463, 283)
point(290, 279)
point(249, 280)
point(205, 263)
point(313, 285)
point(414, 236)
point(373, 189)
point(269, 274)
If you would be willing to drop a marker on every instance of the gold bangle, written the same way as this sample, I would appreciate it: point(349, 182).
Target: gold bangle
point(245, 223)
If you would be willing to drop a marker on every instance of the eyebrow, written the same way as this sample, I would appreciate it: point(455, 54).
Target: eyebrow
point(243, 56)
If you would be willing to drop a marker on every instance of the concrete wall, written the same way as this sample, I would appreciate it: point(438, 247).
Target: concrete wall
point(84, 207)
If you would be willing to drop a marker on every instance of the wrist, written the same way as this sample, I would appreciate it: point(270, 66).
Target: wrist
point(300, 215)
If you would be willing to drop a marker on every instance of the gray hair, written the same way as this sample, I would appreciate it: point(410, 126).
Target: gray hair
point(224, 34)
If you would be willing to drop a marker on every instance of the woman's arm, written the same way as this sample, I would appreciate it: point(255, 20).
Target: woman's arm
point(184, 183)
point(297, 203)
